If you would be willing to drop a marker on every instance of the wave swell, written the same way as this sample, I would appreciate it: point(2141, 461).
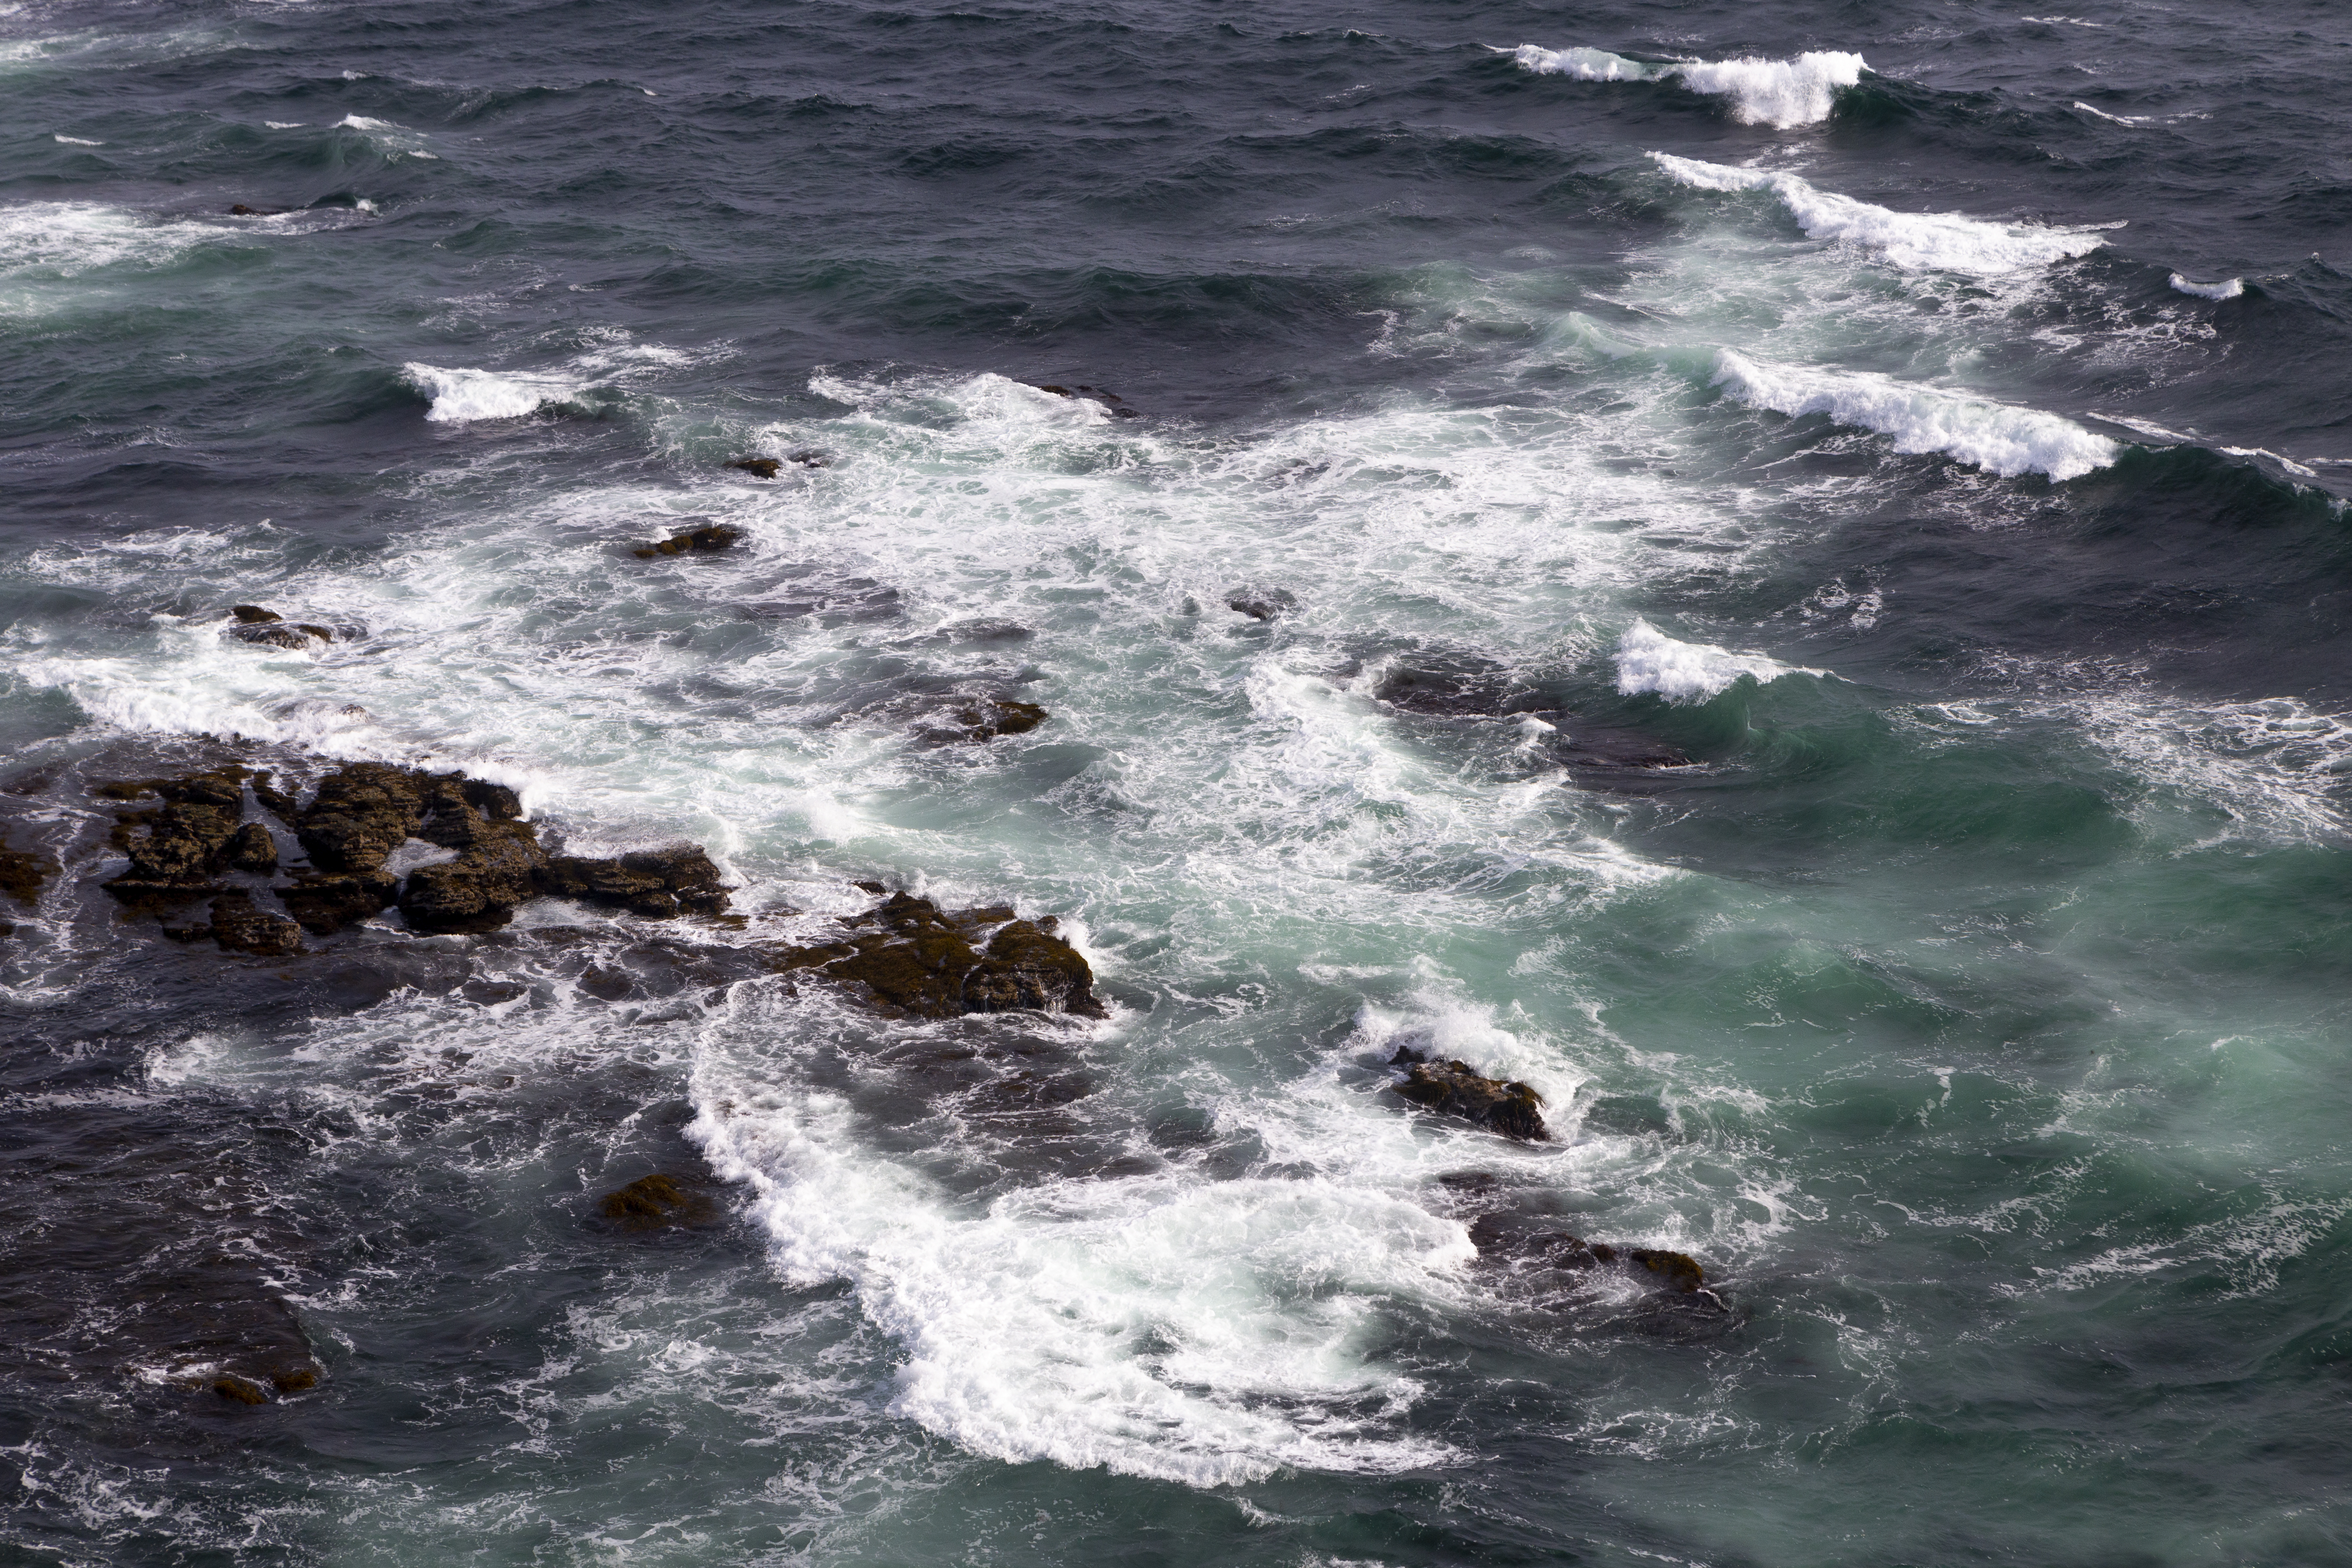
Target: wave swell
point(1650, 661)
point(1945, 242)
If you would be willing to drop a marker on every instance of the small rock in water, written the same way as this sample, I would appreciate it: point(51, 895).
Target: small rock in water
point(995, 716)
point(1261, 604)
point(765, 468)
point(652, 1203)
point(1525, 1240)
point(811, 458)
point(717, 536)
point(1456, 1088)
point(254, 614)
point(912, 957)
point(242, 1390)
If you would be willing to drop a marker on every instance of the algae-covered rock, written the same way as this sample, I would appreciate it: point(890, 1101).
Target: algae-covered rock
point(251, 848)
point(658, 1201)
point(1455, 1088)
point(239, 927)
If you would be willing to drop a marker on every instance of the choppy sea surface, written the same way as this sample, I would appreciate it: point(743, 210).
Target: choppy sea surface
point(1926, 428)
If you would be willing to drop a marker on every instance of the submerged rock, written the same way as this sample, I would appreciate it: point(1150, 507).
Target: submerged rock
point(989, 716)
point(659, 1201)
point(765, 468)
point(1456, 1088)
point(22, 872)
point(1527, 1242)
point(717, 536)
point(911, 957)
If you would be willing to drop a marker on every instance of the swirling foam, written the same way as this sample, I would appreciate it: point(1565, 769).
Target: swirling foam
point(1779, 94)
point(1946, 242)
point(461, 395)
point(1993, 436)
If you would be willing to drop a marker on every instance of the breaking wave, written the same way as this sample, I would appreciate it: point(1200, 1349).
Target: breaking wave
point(1650, 661)
point(1992, 435)
point(2227, 289)
point(1779, 94)
point(1947, 242)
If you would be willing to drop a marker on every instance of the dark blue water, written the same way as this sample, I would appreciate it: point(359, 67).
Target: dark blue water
point(1799, 568)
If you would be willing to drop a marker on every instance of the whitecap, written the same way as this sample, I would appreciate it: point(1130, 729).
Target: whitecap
point(461, 395)
point(1779, 94)
point(1947, 242)
point(1650, 661)
point(77, 142)
point(2006, 440)
point(2227, 289)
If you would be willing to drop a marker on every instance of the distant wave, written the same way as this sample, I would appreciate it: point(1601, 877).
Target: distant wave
point(2227, 289)
point(460, 395)
point(1947, 242)
point(1993, 436)
point(1650, 661)
point(1779, 94)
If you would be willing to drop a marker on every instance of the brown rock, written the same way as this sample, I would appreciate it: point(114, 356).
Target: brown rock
point(766, 467)
point(656, 883)
point(717, 536)
point(251, 848)
point(22, 872)
point(325, 905)
point(362, 813)
point(1456, 1088)
point(911, 957)
point(254, 614)
point(497, 867)
point(239, 927)
point(655, 1202)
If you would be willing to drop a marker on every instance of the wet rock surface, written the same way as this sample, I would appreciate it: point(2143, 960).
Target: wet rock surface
point(22, 872)
point(910, 958)
point(657, 883)
point(1453, 1087)
point(703, 540)
point(665, 1200)
point(1535, 1243)
point(1261, 604)
point(762, 468)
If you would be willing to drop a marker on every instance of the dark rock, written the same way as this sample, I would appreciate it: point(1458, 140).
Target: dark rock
point(498, 866)
point(765, 468)
point(1056, 391)
point(1456, 1088)
point(876, 889)
point(717, 536)
point(986, 719)
point(1262, 604)
point(238, 926)
point(243, 1390)
point(325, 905)
point(361, 813)
point(324, 634)
point(281, 634)
point(657, 883)
point(1598, 748)
point(1446, 684)
point(1528, 1242)
point(811, 458)
point(175, 861)
point(658, 1201)
point(251, 848)
point(241, 210)
point(22, 872)
point(254, 614)
point(1676, 1272)
point(912, 958)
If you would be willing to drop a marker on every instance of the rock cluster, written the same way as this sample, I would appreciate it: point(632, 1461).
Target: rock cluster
point(1456, 1088)
point(354, 821)
point(912, 958)
point(256, 625)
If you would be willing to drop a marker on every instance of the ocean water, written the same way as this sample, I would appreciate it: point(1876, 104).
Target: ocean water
point(1927, 427)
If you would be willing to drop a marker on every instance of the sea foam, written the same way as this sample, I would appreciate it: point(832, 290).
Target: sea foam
point(1947, 242)
point(1650, 661)
point(1779, 94)
point(2008, 441)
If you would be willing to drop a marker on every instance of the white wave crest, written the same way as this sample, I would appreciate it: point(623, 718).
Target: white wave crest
point(460, 395)
point(1779, 94)
point(2227, 289)
point(1650, 661)
point(1946, 242)
point(77, 141)
point(2008, 441)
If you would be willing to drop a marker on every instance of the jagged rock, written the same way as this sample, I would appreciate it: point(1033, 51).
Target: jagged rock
point(175, 862)
point(913, 958)
point(655, 1202)
point(657, 883)
point(22, 872)
point(1456, 1088)
point(239, 927)
point(1262, 604)
point(325, 905)
point(498, 866)
point(717, 536)
point(251, 848)
point(361, 813)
